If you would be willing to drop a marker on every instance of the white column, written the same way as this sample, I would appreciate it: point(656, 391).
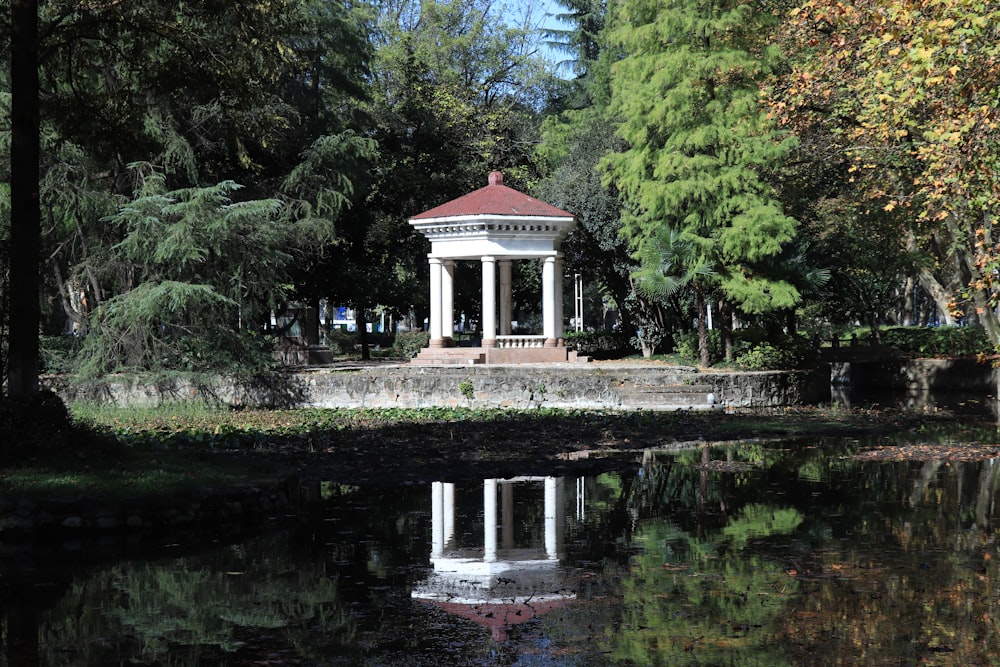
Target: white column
point(505, 297)
point(553, 516)
point(435, 319)
point(578, 301)
point(558, 297)
point(489, 520)
point(489, 301)
point(447, 300)
point(549, 301)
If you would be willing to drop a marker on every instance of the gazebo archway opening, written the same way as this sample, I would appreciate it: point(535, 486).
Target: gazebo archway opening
point(525, 297)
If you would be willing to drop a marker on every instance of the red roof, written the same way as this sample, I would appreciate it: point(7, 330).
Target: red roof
point(494, 199)
point(499, 618)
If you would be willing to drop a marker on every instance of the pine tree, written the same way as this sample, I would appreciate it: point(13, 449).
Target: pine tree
point(686, 95)
point(188, 291)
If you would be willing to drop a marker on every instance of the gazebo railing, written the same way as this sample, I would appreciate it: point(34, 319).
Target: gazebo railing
point(520, 341)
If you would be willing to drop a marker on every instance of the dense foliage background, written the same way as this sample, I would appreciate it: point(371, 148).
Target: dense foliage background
point(790, 168)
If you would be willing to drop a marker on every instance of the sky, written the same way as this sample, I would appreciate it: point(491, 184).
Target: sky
point(541, 14)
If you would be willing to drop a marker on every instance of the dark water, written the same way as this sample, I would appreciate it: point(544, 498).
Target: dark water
point(752, 553)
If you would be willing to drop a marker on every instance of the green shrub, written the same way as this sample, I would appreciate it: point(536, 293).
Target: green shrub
point(380, 340)
point(785, 353)
point(752, 349)
point(937, 341)
point(344, 342)
point(341, 341)
point(466, 389)
point(58, 354)
point(686, 346)
point(409, 343)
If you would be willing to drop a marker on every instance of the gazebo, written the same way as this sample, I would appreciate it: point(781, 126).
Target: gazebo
point(495, 225)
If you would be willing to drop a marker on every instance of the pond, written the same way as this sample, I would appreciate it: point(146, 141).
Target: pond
point(822, 551)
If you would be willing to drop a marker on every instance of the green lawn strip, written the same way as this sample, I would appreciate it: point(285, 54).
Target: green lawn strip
point(140, 473)
point(260, 429)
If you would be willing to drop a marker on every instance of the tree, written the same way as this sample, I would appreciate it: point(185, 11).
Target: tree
point(186, 292)
point(24, 314)
point(847, 254)
point(574, 142)
point(581, 41)
point(911, 92)
point(204, 93)
point(669, 264)
point(686, 95)
point(576, 136)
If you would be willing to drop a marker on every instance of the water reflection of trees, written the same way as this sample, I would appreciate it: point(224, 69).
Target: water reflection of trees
point(792, 554)
point(915, 580)
point(188, 610)
point(691, 589)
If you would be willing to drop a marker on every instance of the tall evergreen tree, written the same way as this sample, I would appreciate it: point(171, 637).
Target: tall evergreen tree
point(575, 137)
point(25, 238)
point(580, 41)
point(686, 94)
point(188, 287)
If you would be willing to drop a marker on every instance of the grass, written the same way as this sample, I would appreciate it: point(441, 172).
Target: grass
point(179, 425)
point(121, 452)
point(141, 476)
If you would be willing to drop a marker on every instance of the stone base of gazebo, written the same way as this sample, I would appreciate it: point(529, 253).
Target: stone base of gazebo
point(496, 355)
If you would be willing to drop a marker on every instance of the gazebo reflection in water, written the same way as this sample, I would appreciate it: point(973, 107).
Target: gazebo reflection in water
point(499, 583)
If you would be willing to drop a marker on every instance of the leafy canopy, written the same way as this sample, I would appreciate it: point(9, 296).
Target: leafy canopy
point(911, 91)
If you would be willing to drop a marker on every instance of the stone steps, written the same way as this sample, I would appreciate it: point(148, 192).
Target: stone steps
point(450, 356)
point(669, 396)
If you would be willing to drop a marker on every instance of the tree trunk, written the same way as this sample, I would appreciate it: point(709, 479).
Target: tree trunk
point(984, 312)
point(874, 328)
point(907, 315)
point(939, 294)
point(362, 319)
point(987, 318)
point(726, 328)
point(25, 232)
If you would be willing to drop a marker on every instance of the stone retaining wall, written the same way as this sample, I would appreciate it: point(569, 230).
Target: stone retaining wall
point(568, 386)
point(957, 375)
